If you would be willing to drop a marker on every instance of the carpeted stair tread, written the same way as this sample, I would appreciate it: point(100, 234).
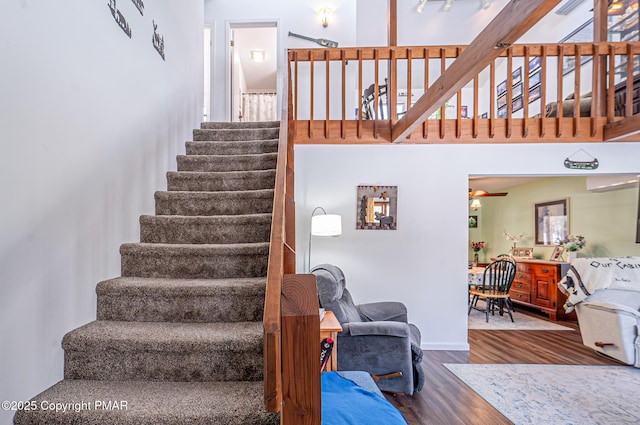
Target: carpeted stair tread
point(161, 351)
point(235, 134)
point(265, 161)
point(153, 403)
point(223, 124)
point(194, 261)
point(162, 336)
point(245, 147)
point(214, 203)
point(221, 229)
point(181, 300)
point(220, 181)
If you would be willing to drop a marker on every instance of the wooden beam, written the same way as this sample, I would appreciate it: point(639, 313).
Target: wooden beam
point(622, 129)
point(600, 33)
point(516, 18)
point(392, 23)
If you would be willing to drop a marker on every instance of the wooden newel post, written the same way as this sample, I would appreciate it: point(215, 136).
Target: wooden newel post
point(300, 332)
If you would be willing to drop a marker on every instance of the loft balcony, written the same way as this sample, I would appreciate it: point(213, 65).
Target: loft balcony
point(541, 93)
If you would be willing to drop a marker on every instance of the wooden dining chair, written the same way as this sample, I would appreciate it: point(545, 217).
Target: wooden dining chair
point(496, 283)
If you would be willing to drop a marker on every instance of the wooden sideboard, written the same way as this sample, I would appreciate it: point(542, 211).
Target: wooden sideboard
point(536, 286)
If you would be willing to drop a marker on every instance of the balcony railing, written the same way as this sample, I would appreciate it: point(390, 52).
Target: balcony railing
point(531, 93)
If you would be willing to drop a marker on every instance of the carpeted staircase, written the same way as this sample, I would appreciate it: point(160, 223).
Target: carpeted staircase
point(178, 337)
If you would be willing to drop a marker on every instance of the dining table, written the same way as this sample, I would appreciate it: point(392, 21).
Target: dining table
point(476, 275)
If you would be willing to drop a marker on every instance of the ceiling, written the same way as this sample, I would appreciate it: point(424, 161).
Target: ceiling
point(259, 76)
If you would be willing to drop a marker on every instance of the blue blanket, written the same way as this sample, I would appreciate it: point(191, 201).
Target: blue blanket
point(345, 403)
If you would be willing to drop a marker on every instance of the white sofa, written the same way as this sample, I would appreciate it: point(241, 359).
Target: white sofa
point(605, 293)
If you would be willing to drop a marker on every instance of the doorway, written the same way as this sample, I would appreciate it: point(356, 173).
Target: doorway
point(252, 83)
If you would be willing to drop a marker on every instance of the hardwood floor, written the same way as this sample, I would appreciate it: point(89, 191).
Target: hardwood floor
point(445, 400)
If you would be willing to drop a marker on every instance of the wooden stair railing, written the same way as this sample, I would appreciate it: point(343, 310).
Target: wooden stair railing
point(291, 321)
point(327, 96)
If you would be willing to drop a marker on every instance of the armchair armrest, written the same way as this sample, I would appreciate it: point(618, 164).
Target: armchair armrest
point(381, 311)
point(396, 329)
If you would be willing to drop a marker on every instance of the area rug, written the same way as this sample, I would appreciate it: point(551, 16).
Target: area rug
point(521, 322)
point(557, 394)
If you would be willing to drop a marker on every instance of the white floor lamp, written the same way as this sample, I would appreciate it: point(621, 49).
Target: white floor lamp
point(323, 225)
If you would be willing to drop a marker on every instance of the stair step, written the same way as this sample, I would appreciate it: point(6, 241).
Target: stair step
point(234, 134)
point(150, 403)
point(224, 229)
point(265, 161)
point(258, 124)
point(244, 147)
point(161, 351)
point(220, 181)
point(214, 203)
point(181, 300)
point(194, 261)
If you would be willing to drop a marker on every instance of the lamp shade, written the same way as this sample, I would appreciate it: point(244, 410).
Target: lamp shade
point(326, 225)
point(475, 204)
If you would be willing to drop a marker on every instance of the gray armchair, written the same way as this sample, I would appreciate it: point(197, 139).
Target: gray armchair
point(375, 337)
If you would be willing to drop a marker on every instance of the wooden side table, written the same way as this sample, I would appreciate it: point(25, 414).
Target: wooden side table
point(329, 328)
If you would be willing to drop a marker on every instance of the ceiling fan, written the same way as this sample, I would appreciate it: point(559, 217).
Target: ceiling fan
point(481, 193)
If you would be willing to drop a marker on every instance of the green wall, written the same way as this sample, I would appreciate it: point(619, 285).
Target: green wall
point(606, 219)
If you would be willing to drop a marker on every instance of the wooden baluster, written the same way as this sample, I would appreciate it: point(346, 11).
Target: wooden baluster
point(595, 84)
point(525, 93)
point(328, 93)
point(543, 91)
point(576, 92)
point(343, 130)
point(359, 129)
point(459, 105)
point(509, 92)
point(476, 115)
point(392, 89)
point(492, 101)
point(295, 96)
point(311, 80)
point(559, 117)
point(443, 109)
point(612, 84)
point(376, 106)
point(425, 124)
point(629, 100)
point(409, 65)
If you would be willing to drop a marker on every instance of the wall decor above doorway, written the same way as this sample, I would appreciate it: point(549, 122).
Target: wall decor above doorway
point(377, 208)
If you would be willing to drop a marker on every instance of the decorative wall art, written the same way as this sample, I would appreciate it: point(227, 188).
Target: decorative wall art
point(377, 208)
point(534, 94)
point(139, 5)
point(516, 76)
point(158, 41)
point(534, 64)
point(587, 161)
point(516, 104)
point(473, 221)
point(551, 222)
point(119, 18)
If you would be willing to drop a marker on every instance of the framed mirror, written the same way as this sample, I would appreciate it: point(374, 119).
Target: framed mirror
point(551, 222)
point(377, 208)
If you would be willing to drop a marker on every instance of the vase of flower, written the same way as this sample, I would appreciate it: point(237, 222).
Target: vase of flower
point(476, 246)
point(572, 244)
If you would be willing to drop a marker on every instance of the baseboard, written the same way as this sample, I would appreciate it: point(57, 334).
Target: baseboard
point(445, 347)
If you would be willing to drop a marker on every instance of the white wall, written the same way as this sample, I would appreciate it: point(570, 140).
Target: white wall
point(424, 262)
point(90, 121)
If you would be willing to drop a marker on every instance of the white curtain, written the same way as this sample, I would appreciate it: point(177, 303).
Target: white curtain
point(259, 107)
